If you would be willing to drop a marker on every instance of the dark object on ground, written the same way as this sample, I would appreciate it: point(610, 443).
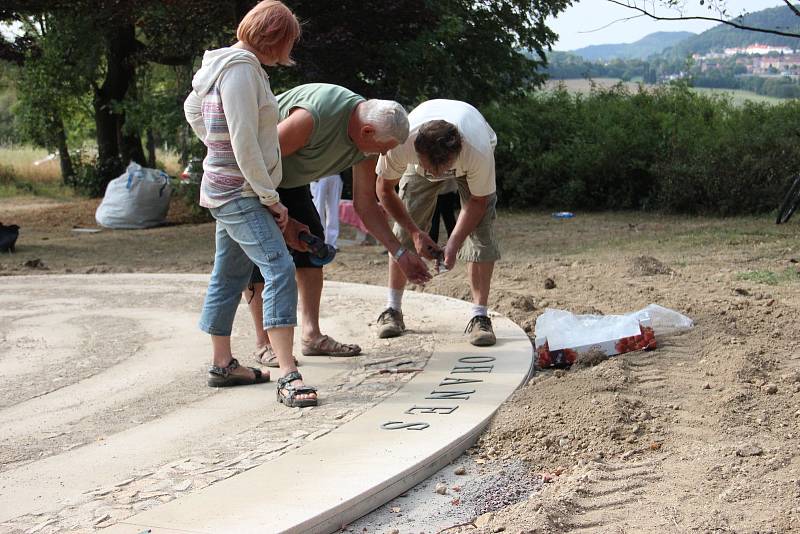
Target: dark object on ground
point(8, 237)
point(321, 253)
point(549, 283)
point(35, 263)
point(790, 202)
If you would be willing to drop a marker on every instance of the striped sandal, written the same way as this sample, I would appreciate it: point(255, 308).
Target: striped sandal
point(287, 393)
point(223, 377)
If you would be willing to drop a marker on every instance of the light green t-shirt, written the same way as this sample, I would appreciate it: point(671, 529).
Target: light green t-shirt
point(329, 150)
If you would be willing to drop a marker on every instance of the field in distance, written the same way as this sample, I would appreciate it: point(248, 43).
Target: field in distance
point(583, 86)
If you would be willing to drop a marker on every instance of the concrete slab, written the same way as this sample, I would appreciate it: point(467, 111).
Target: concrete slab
point(345, 468)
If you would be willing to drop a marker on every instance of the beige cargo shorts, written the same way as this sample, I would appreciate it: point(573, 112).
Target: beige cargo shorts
point(419, 197)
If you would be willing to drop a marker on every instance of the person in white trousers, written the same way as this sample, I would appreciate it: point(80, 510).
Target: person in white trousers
point(326, 192)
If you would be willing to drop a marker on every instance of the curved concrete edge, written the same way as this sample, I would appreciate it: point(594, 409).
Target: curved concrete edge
point(365, 463)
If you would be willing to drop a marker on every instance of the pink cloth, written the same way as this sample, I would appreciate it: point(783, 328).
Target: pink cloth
point(348, 215)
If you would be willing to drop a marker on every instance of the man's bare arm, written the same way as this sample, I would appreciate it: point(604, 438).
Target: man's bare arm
point(394, 205)
point(374, 219)
point(469, 218)
point(294, 132)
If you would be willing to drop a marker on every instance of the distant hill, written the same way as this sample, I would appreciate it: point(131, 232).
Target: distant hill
point(655, 43)
point(724, 36)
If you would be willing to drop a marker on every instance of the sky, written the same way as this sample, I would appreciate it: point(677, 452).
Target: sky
point(580, 24)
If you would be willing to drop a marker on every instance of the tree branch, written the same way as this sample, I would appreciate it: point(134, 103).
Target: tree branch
point(603, 27)
point(792, 7)
point(711, 19)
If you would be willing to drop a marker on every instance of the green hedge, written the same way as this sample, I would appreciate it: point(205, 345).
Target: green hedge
point(667, 149)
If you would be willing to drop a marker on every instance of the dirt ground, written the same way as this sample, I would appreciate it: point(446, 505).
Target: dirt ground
point(700, 435)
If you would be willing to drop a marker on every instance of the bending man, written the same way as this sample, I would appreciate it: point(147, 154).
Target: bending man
point(325, 129)
point(449, 140)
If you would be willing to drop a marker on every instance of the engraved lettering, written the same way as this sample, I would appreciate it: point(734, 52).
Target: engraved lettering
point(473, 369)
point(448, 381)
point(444, 410)
point(444, 395)
point(477, 359)
point(400, 425)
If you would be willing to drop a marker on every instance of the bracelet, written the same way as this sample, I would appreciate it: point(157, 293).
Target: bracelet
point(399, 253)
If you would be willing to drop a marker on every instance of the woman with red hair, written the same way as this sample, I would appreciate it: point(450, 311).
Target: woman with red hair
point(233, 111)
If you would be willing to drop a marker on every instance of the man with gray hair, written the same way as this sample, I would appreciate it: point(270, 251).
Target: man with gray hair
point(324, 130)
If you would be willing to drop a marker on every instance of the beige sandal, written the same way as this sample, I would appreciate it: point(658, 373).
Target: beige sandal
point(267, 357)
point(327, 346)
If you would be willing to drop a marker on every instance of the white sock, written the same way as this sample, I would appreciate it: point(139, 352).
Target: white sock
point(480, 310)
point(395, 299)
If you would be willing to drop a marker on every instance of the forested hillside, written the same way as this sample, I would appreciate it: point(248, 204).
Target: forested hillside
point(724, 36)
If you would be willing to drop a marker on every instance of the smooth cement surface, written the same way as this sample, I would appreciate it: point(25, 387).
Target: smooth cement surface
point(354, 463)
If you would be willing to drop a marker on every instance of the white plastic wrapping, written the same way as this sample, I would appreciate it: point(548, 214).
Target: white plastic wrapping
point(564, 329)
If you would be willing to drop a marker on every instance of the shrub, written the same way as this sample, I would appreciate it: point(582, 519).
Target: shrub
point(668, 149)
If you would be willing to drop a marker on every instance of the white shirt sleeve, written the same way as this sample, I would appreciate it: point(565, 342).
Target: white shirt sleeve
point(239, 88)
point(193, 111)
point(392, 165)
point(480, 170)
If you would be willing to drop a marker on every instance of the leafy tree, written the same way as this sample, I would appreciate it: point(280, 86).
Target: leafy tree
point(134, 58)
point(97, 48)
point(419, 49)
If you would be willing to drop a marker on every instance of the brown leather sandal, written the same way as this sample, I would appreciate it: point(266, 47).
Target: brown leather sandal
point(267, 357)
point(327, 346)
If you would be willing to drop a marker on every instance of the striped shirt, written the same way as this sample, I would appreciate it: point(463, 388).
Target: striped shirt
point(237, 120)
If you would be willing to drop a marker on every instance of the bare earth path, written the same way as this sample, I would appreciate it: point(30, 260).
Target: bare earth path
point(701, 435)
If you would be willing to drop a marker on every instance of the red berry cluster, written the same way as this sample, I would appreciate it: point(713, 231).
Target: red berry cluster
point(555, 358)
point(644, 341)
point(543, 354)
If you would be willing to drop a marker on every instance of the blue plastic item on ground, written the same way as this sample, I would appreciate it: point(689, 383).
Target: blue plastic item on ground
point(563, 215)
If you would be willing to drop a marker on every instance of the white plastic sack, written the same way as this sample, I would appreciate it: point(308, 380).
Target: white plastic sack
point(564, 329)
point(139, 198)
point(663, 320)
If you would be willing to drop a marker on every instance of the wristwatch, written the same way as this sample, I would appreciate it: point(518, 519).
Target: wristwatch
point(399, 253)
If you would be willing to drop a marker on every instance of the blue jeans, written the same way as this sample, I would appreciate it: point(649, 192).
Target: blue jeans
point(246, 235)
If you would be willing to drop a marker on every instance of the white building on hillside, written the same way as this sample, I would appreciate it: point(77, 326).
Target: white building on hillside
point(758, 49)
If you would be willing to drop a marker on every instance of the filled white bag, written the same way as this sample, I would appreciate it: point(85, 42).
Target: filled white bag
point(139, 198)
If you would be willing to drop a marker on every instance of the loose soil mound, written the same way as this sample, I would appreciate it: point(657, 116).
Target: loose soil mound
point(649, 266)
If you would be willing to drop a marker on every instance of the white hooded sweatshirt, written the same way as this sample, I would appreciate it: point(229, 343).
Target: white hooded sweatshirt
point(233, 111)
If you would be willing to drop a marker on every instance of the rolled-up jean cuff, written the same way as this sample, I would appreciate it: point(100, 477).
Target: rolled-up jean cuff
point(281, 322)
point(208, 329)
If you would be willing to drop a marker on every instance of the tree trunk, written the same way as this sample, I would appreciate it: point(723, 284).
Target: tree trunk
point(151, 149)
point(67, 170)
point(115, 147)
point(130, 146)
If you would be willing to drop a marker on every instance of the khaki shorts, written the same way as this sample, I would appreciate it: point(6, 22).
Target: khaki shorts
point(419, 197)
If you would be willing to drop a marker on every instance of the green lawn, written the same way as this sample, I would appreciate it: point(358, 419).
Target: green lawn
point(583, 86)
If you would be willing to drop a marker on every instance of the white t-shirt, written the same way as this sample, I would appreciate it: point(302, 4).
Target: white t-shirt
point(476, 160)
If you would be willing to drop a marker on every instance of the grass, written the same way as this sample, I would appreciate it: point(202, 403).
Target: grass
point(739, 97)
point(583, 86)
point(21, 162)
point(770, 278)
point(26, 171)
point(29, 171)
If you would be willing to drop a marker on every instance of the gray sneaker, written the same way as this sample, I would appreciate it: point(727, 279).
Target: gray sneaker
point(390, 323)
point(480, 331)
